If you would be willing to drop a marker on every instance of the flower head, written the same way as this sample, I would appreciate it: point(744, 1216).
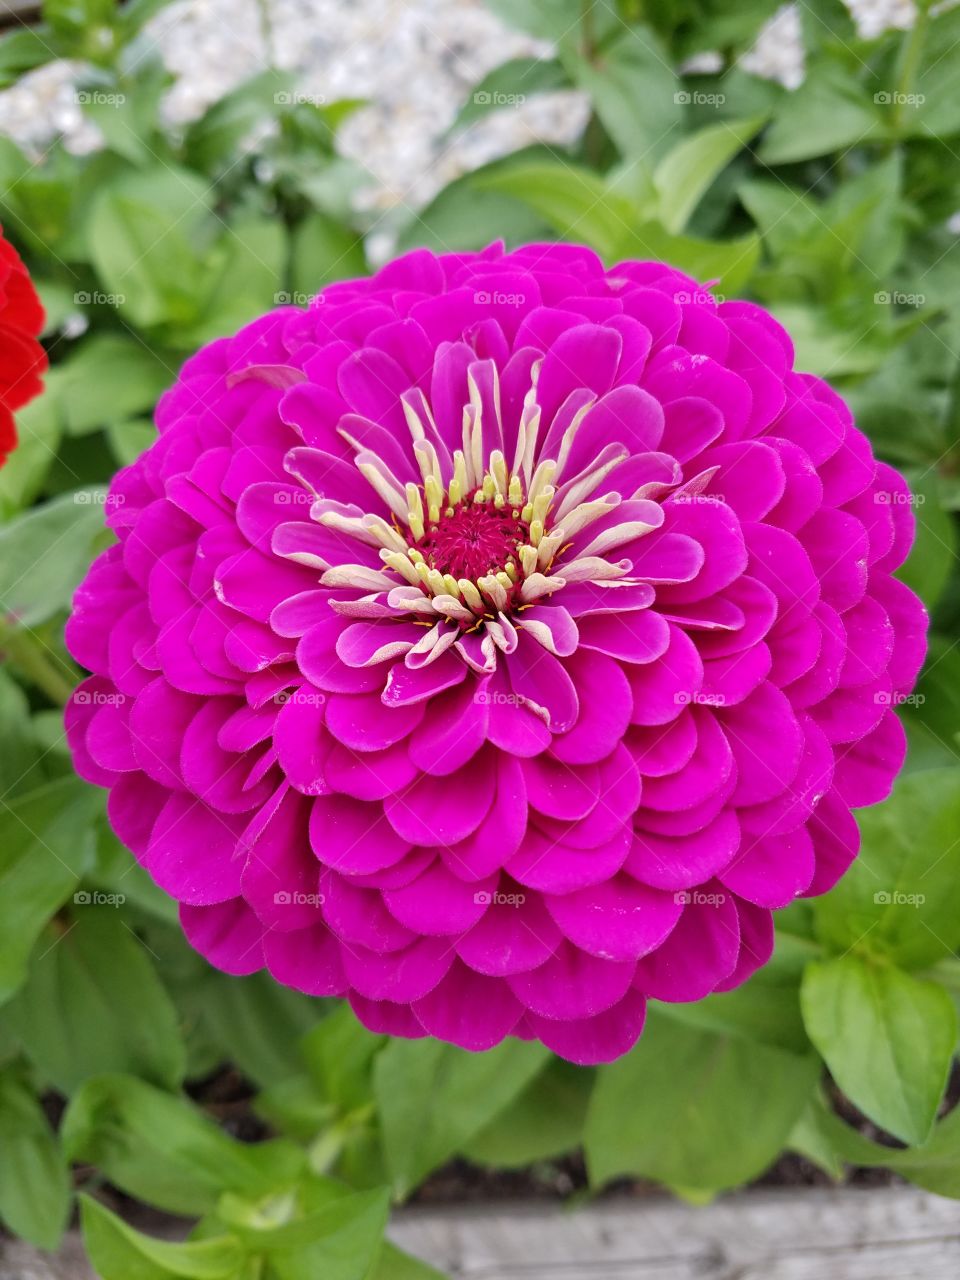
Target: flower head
point(496, 643)
point(22, 359)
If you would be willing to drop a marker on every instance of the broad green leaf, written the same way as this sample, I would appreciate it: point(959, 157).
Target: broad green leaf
point(109, 379)
point(93, 1003)
point(831, 111)
point(901, 897)
point(19, 755)
point(545, 1120)
point(934, 1165)
point(46, 845)
point(574, 201)
point(432, 1098)
point(244, 269)
point(213, 142)
point(509, 85)
point(23, 50)
point(34, 1180)
point(129, 439)
point(119, 1252)
point(164, 1150)
point(687, 171)
point(339, 1054)
point(322, 250)
point(888, 1039)
point(44, 554)
point(147, 232)
point(730, 262)
point(463, 214)
point(393, 1264)
point(696, 1111)
point(634, 90)
point(765, 1010)
point(40, 425)
point(932, 107)
point(256, 1024)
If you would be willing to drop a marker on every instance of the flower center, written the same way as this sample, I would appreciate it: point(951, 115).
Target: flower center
point(475, 539)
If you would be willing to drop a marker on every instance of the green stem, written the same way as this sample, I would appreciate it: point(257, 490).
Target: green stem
point(29, 657)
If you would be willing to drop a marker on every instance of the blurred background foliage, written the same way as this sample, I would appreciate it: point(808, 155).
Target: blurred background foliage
point(128, 1067)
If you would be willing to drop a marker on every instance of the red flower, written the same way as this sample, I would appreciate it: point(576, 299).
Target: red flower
point(22, 359)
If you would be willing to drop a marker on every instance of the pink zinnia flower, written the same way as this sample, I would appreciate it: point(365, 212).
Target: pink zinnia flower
point(496, 643)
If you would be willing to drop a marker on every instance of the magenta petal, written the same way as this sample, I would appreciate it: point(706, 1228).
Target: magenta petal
point(771, 871)
point(352, 836)
point(701, 952)
point(193, 852)
point(383, 1017)
point(619, 919)
point(572, 984)
point(401, 976)
point(468, 1009)
point(442, 811)
point(589, 1042)
point(515, 934)
point(436, 902)
point(603, 697)
point(307, 960)
point(228, 934)
point(542, 681)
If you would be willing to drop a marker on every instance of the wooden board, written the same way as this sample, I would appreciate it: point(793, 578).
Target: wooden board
point(877, 1234)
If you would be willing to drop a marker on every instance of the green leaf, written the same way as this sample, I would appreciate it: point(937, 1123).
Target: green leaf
point(830, 111)
point(322, 250)
point(109, 379)
point(730, 262)
point(574, 201)
point(119, 1252)
point(765, 1010)
point(44, 554)
point(146, 234)
point(24, 50)
point(432, 1098)
point(935, 1165)
point(34, 1179)
point(165, 1151)
point(46, 845)
point(39, 428)
point(682, 1108)
point(888, 1039)
point(244, 269)
point(634, 91)
point(213, 142)
point(901, 897)
point(93, 1003)
point(20, 755)
point(687, 172)
point(339, 1054)
point(545, 1120)
point(509, 85)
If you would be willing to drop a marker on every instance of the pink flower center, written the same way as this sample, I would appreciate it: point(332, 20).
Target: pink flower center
point(474, 539)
